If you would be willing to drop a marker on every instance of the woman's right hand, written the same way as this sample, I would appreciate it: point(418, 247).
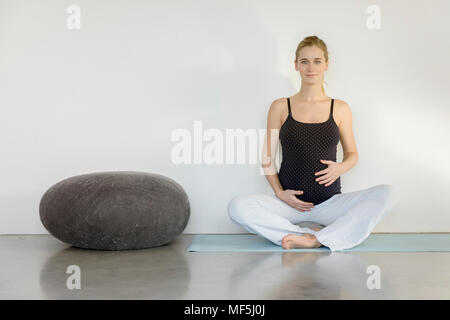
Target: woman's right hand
point(289, 197)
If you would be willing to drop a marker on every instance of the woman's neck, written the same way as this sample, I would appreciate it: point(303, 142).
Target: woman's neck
point(311, 93)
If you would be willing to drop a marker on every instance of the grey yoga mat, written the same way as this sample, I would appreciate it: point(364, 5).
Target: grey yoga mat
point(375, 242)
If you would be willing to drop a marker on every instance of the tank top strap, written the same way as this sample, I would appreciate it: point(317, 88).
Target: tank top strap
point(331, 109)
point(289, 105)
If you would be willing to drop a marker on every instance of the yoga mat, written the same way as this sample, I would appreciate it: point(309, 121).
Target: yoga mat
point(376, 242)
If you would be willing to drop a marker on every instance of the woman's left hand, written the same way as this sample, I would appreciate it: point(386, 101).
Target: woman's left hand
point(330, 174)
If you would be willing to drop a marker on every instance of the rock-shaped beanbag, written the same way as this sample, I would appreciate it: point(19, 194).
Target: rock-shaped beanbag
point(115, 210)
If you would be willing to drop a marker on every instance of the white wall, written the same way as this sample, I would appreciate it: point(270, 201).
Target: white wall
point(108, 96)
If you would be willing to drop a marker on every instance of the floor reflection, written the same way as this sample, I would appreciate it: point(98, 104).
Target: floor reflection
point(307, 275)
point(131, 274)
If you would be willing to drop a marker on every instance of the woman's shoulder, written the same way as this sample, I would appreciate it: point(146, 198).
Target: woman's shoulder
point(278, 105)
point(277, 112)
point(339, 103)
point(278, 102)
point(341, 109)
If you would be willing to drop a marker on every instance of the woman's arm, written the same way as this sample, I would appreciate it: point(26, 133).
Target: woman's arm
point(271, 141)
point(347, 138)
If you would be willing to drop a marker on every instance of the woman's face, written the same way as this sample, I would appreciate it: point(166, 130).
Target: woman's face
point(311, 65)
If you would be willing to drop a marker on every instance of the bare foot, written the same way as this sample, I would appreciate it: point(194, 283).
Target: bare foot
point(300, 241)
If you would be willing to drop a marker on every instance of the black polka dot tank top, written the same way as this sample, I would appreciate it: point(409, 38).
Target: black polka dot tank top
point(303, 145)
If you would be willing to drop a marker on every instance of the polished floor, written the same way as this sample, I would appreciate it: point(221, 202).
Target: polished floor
point(34, 267)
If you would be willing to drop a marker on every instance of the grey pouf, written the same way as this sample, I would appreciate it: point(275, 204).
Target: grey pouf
point(115, 210)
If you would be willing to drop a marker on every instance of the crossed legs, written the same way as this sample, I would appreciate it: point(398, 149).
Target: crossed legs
point(348, 218)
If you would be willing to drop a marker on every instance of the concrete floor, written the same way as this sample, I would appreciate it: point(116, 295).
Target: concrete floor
point(34, 267)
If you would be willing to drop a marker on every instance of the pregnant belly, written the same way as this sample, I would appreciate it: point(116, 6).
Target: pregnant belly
point(305, 181)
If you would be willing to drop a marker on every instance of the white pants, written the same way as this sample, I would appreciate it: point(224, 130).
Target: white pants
point(348, 218)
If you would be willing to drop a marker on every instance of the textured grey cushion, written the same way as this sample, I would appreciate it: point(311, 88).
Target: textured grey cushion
point(115, 210)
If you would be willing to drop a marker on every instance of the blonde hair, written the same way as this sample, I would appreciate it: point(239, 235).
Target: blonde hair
point(309, 42)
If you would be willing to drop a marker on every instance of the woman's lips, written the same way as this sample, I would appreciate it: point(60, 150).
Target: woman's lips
point(310, 75)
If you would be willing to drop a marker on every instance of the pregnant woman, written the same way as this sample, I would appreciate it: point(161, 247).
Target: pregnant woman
point(307, 188)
